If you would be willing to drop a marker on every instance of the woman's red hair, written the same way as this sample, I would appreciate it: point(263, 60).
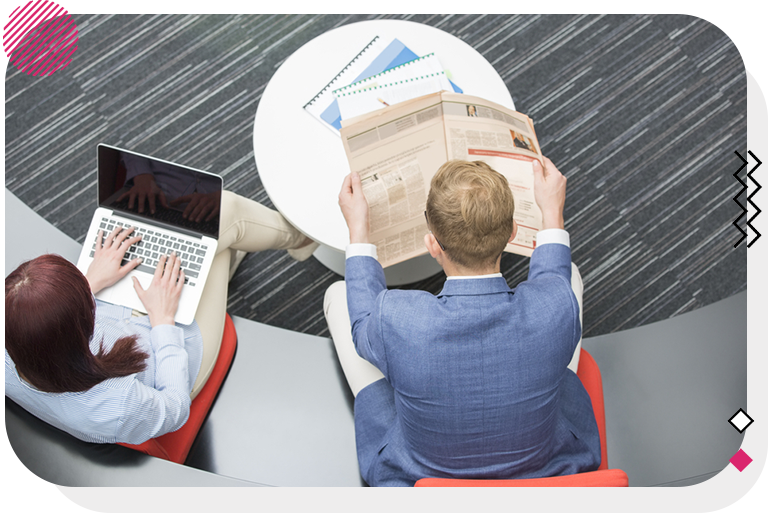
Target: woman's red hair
point(49, 320)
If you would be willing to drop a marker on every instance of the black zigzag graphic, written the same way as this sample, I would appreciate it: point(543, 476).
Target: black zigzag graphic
point(749, 198)
point(736, 199)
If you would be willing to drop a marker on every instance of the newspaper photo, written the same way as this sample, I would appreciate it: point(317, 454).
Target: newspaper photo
point(397, 150)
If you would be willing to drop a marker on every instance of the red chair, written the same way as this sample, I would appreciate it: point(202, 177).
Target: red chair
point(175, 446)
point(589, 373)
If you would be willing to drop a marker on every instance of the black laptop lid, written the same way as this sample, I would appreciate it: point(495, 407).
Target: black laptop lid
point(158, 192)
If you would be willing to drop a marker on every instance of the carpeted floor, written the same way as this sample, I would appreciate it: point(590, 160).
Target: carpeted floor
point(642, 113)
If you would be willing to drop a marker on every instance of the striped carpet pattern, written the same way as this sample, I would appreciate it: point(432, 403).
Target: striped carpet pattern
point(642, 113)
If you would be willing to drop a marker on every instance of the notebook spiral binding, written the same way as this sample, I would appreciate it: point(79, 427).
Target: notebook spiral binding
point(341, 72)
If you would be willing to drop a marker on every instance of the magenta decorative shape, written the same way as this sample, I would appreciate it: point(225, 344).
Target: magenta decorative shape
point(740, 460)
point(40, 37)
point(30, 30)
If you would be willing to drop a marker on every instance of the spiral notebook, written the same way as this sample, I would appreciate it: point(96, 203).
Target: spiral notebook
point(376, 57)
point(407, 81)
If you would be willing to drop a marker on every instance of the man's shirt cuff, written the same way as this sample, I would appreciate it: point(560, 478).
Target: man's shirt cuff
point(546, 236)
point(362, 249)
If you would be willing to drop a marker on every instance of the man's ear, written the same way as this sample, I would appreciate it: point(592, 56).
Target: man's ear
point(432, 246)
point(514, 231)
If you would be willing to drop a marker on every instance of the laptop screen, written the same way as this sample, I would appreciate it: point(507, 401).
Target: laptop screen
point(159, 192)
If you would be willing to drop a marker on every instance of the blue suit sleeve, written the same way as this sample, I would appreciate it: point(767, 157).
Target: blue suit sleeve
point(550, 268)
point(551, 259)
point(366, 289)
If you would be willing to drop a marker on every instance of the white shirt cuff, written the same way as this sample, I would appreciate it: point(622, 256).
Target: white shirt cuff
point(362, 249)
point(546, 236)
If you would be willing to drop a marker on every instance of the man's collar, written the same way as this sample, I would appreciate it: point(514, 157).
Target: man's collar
point(485, 276)
point(482, 286)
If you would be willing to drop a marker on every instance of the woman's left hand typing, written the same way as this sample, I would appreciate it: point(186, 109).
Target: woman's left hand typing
point(106, 268)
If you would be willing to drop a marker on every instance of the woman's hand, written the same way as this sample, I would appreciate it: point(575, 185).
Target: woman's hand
point(105, 269)
point(161, 299)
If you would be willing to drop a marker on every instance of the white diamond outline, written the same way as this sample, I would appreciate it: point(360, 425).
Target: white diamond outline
point(744, 414)
point(740, 421)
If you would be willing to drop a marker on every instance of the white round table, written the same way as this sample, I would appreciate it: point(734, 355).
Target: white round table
point(302, 163)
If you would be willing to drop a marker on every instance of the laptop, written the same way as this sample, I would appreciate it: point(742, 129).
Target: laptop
point(130, 187)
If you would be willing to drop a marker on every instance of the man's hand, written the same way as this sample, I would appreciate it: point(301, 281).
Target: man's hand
point(200, 205)
point(549, 192)
point(354, 207)
point(105, 269)
point(144, 188)
point(161, 299)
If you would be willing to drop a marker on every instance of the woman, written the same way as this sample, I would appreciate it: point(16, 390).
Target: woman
point(106, 374)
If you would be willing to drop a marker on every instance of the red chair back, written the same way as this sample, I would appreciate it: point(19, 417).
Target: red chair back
point(175, 446)
point(602, 478)
point(589, 373)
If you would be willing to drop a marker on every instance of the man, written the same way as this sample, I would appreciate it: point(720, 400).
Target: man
point(473, 382)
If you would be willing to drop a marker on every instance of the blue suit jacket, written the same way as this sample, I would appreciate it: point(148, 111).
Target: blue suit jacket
point(477, 384)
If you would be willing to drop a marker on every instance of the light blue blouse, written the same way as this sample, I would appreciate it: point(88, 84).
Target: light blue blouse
point(130, 409)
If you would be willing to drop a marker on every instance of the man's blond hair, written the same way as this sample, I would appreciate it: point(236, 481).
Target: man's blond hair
point(470, 208)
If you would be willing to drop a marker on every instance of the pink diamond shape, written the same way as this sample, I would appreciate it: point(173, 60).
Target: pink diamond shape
point(740, 460)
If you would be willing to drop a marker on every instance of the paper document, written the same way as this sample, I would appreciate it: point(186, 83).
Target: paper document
point(397, 150)
point(375, 57)
point(362, 101)
point(418, 67)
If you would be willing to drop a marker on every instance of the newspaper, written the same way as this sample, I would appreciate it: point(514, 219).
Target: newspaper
point(397, 150)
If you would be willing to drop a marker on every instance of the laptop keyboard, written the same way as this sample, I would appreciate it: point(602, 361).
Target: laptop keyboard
point(155, 243)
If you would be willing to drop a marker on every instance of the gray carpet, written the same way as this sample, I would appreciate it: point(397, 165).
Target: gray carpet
point(642, 113)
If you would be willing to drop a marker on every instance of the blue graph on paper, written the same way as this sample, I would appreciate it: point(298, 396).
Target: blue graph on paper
point(395, 54)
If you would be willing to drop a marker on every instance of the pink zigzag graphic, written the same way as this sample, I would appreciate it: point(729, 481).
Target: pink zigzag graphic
point(22, 17)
